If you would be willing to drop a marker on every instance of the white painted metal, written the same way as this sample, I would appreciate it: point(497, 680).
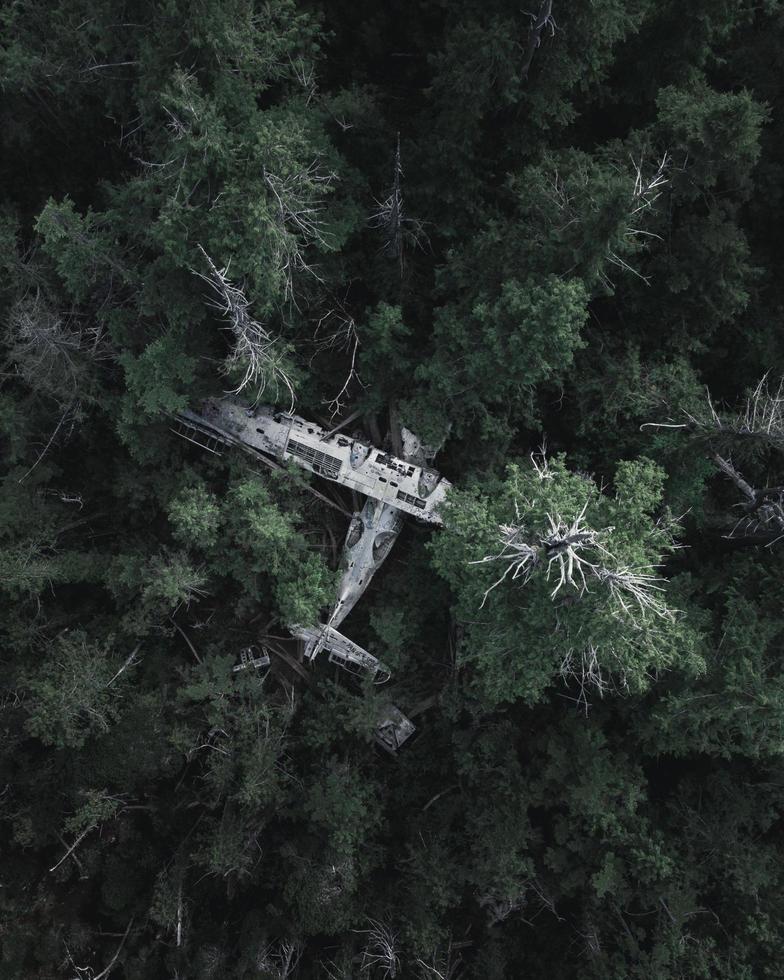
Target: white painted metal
point(250, 657)
point(370, 537)
point(342, 651)
point(406, 486)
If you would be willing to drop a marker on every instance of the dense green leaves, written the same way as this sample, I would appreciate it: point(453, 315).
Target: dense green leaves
point(529, 617)
point(580, 234)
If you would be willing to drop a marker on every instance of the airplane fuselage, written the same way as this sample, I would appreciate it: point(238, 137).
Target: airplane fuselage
point(413, 489)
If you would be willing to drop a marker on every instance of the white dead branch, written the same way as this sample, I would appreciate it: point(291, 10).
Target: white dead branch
point(48, 347)
point(541, 22)
point(761, 417)
point(576, 553)
point(635, 587)
point(442, 964)
point(763, 414)
point(297, 200)
point(380, 951)
point(521, 557)
point(280, 959)
point(336, 330)
point(72, 848)
point(760, 420)
point(645, 192)
point(65, 425)
point(45, 346)
point(389, 216)
point(584, 671)
point(569, 204)
point(562, 546)
point(763, 510)
point(648, 189)
point(87, 972)
point(255, 351)
point(131, 661)
point(305, 74)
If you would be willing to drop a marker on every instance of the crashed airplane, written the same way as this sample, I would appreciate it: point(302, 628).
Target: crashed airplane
point(406, 486)
point(393, 486)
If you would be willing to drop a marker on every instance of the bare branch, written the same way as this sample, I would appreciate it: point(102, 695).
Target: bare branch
point(297, 200)
point(72, 848)
point(255, 351)
point(105, 972)
point(340, 335)
point(381, 950)
point(280, 959)
point(562, 547)
point(389, 217)
point(68, 415)
point(541, 21)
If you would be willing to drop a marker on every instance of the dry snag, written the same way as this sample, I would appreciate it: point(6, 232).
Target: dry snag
point(254, 351)
point(541, 21)
point(757, 427)
point(562, 548)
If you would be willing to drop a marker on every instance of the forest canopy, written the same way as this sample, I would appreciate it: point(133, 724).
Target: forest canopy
point(547, 243)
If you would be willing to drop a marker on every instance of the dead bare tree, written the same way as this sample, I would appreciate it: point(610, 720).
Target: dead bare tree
point(576, 553)
point(541, 22)
point(280, 959)
point(255, 351)
point(762, 510)
point(336, 330)
point(389, 215)
point(757, 425)
point(390, 219)
point(381, 950)
point(44, 345)
point(759, 420)
point(49, 350)
point(297, 204)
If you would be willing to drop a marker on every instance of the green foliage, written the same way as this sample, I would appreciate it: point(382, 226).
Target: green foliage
point(483, 362)
point(74, 693)
point(519, 637)
point(157, 379)
point(262, 544)
point(716, 134)
point(590, 233)
point(195, 517)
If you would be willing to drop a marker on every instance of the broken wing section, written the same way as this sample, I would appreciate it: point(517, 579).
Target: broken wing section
point(341, 651)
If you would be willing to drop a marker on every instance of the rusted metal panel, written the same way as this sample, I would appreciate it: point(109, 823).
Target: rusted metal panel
point(393, 729)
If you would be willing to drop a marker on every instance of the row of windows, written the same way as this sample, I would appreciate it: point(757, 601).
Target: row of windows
point(329, 466)
point(410, 499)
